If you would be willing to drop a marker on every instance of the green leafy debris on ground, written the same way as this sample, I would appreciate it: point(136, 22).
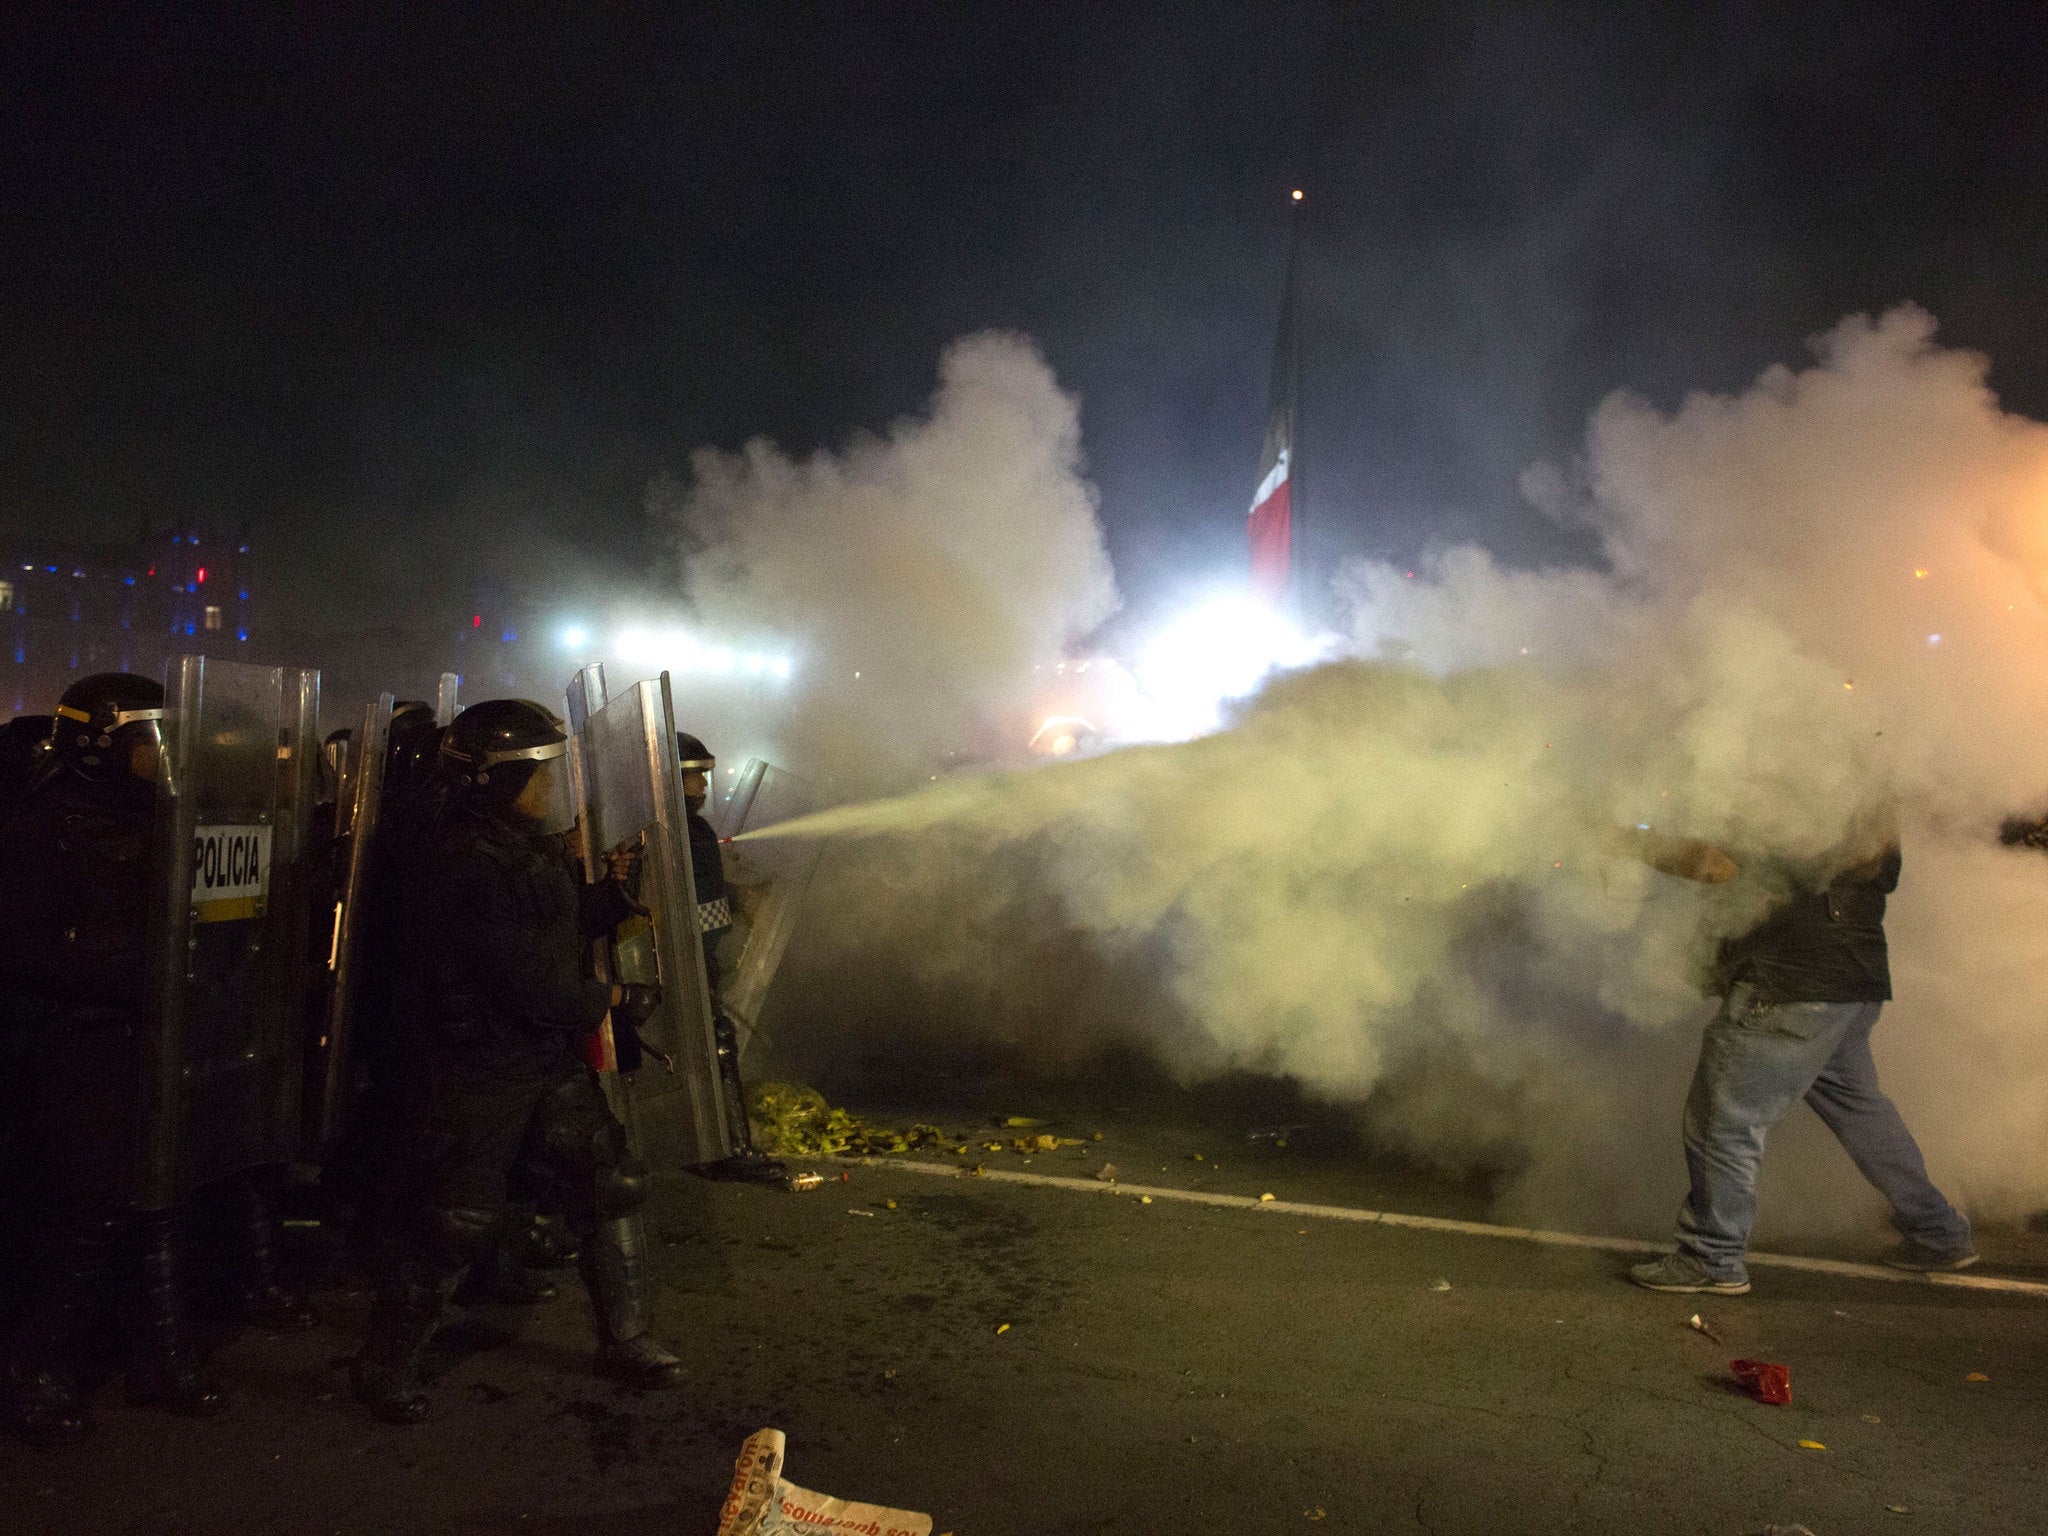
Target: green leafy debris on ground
point(794, 1120)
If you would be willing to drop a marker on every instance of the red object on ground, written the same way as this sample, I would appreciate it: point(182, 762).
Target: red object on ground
point(1767, 1382)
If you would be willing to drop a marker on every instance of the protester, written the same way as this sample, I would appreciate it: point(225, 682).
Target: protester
point(1800, 993)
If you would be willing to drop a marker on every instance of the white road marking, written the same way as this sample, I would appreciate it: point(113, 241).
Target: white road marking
point(1855, 1271)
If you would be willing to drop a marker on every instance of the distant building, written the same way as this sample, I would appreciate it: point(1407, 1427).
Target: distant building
point(68, 609)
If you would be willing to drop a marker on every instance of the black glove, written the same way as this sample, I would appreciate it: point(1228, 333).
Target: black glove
point(636, 1004)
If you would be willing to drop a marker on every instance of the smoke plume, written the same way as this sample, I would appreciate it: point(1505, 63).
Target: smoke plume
point(920, 576)
point(1395, 876)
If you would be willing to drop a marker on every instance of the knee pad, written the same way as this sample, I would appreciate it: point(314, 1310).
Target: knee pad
point(455, 1236)
point(621, 1187)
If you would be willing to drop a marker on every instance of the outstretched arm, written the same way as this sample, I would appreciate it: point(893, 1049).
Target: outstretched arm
point(1689, 858)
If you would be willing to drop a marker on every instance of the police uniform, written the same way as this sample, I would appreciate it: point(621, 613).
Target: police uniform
point(498, 1099)
point(77, 876)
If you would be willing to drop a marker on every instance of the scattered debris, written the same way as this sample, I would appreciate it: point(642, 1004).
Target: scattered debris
point(1897, 1509)
point(1096, 1137)
point(1439, 1285)
point(761, 1500)
point(857, 1211)
point(1312, 1514)
point(1811, 1445)
point(1023, 1122)
point(1144, 1199)
point(1044, 1142)
point(1976, 1376)
point(1699, 1324)
point(1276, 1134)
point(1264, 1198)
point(1106, 1173)
point(799, 1182)
point(1766, 1381)
point(1194, 1157)
point(792, 1120)
point(1871, 1418)
point(890, 1203)
point(1001, 1329)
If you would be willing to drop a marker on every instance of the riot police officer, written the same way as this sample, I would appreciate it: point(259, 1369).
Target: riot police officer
point(77, 876)
point(714, 921)
point(498, 1097)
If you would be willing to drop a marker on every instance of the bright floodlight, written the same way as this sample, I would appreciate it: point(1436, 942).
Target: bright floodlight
point(1210, 655)
point(575, 637)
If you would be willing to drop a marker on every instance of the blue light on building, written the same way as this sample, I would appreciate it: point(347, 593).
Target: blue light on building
point(508, 637)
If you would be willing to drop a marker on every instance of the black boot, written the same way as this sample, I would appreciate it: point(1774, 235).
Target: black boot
point(163, 1366)
point(385, 1375)
point(263, 1300)
point(44, 1404)
point(502, 1276)
point(614, 1268)
point(45, 1407)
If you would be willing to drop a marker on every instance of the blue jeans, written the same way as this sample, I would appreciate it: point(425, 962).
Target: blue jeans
point(1756, 1061)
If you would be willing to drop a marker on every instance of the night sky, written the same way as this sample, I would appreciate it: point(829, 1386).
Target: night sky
point(435, 296)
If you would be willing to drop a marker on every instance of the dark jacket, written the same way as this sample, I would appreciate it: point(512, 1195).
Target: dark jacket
point(1822, 943)
point(498, 938)
point(78, 879)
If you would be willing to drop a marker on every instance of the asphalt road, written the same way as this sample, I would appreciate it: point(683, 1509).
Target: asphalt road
point(1165, 1368)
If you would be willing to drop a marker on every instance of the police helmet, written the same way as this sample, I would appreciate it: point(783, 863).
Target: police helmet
point(101, 720)
point(696, 758)
point(491, 749)
point(411, 748)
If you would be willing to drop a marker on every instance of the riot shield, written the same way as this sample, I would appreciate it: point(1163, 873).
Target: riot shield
point(633, 793)
point(448, 699)
point(224, 1046)
point(587, 692)
point(356, 823)
point(768, 881)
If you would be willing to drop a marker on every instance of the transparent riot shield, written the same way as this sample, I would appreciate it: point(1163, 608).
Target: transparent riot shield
point(448, 699)
point(224, 1047)
point(633, 795)
point(768, 881)
point(356, 823)
point(587, 692)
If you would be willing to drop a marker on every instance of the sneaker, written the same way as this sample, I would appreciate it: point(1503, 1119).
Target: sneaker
point(1683, 1272)
point(1924, 1260)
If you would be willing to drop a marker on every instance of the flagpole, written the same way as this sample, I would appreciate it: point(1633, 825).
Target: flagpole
point(1298, 501)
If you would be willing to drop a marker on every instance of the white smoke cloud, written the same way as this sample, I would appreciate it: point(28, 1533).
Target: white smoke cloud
point(940, 562)
point(1392, 876)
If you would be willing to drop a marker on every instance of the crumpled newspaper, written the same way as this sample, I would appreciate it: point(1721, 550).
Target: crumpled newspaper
point(793, 1120)
point(764, 1503)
